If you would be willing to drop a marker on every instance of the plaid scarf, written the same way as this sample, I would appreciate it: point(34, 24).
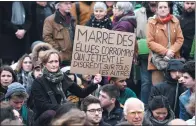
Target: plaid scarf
point(56, 77)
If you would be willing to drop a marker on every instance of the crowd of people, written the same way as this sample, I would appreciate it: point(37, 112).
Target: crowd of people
point(37, 87)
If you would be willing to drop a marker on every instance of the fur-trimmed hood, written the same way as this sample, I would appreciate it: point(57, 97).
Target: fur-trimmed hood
point(37, 48)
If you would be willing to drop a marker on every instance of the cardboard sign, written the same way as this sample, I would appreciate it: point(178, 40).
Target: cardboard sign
point(103, 51)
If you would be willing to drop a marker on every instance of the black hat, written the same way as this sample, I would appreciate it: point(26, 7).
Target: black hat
point(159, 101)
point(175, 65)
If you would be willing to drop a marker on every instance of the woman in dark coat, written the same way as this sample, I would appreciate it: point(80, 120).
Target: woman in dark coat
point(59, 83)
point(159, 112)
point(16, 21)
point(124, 19)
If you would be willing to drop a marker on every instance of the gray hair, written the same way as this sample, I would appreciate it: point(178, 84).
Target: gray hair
point(130, 101)
point(100, 5)
point(126, 7)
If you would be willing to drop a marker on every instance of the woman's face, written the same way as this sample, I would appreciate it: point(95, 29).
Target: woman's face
point(53, 63)
point(6, 78)
point(100, 13)
point(162, 9)
point(160, 113)
point(27, 64)
point(116, 11)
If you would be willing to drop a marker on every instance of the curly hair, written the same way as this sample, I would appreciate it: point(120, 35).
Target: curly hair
point(189, 67)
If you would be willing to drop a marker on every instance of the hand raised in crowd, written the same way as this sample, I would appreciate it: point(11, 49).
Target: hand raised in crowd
point(97, 79)
point(20, 33)
point(170, 53)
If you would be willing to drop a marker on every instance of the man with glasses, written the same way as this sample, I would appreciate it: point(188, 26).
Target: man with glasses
point(133, 113)
point(125, 92)
point(92, 107)
point(112, 112)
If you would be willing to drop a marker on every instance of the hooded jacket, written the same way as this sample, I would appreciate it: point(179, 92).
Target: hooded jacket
point(153, 122)
point(170, 88)
point(37, 48)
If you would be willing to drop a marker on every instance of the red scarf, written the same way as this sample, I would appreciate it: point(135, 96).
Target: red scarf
point(165, 19)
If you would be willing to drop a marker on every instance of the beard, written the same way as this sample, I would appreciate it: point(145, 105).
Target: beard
point(189, 10)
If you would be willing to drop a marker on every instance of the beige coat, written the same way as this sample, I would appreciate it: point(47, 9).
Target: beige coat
point(58, 36)
point(157, 38)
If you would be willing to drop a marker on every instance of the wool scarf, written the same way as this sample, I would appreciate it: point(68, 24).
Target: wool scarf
point(54, 77)
point(164, 20)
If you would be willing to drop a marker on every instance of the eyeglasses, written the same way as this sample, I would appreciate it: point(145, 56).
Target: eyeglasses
point(95, 110)
point(133, 113)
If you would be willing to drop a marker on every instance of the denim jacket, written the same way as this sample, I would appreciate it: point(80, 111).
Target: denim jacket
point(184, 99)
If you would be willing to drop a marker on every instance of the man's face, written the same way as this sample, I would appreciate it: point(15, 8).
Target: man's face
point(189, 6)
point(152, 6)
point(94, 113)
point(65, 7)
point(135, 114)
point(37, 72)
point(175, 75)
point(120, 83)
point(188, 81)
point(16, 102)
point(105, 100)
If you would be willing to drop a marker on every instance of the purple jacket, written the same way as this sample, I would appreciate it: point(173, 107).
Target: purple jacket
point(125, 23)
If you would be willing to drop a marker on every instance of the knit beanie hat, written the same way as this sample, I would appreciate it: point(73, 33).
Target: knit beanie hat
point(13, 88)
point(159, 101)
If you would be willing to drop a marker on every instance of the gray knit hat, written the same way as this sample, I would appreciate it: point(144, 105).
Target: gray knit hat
point(15, 87)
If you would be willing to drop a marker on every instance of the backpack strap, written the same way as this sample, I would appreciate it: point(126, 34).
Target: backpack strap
point(49, 92)
point(78, 12)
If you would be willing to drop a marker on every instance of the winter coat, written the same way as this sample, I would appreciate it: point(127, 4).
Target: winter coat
point(125, 23)
point(157, 38)
point(153, 122)
point(171, 89)
point(42, 100)
point(85, 11)
point(39, 14)
point(102, 123)
point(104, 23)
point(59, 34)
point(114, 116)
point(187, 23)
point(37, 48)
point(141, 18)
point(11, 47)
point(184, 100)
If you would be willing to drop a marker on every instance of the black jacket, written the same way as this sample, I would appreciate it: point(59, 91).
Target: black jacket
point(102, 123)
point(187, 23)
point(11, 47)
point(42, 100)
point(114, 116)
